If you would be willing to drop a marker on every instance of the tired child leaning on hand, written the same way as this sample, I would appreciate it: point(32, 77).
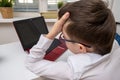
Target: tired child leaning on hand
point(88, 29)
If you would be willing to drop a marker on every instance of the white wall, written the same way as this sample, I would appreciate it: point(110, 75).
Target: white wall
point(116, 12)
point(7, 33)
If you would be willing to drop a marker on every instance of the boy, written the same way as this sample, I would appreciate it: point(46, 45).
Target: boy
point(88, 29)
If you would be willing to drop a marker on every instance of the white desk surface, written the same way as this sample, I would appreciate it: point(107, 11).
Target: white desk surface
point(12, 67)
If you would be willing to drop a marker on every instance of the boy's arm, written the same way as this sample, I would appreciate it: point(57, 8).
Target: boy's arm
point(57, 28)
point(38, 51)
point(36, 64)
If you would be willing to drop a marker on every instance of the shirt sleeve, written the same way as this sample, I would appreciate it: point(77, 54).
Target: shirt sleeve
point(55, 70)
point(38, 51)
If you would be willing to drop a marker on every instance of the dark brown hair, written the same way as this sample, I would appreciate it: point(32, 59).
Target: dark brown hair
point(92, 23)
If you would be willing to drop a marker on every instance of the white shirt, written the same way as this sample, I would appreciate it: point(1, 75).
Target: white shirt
point(71, 69)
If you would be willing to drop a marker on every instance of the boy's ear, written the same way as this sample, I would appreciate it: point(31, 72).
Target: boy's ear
point(82, 48)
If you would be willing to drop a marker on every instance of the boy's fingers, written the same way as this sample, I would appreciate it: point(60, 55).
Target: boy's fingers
point(58, 26)
point(64, 18)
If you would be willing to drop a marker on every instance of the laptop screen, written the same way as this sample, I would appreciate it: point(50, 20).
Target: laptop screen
point(29, 30)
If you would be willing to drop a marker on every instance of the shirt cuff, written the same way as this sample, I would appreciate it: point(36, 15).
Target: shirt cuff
point(44, 42)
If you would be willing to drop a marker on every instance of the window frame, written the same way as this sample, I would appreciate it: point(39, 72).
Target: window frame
point(26, 6)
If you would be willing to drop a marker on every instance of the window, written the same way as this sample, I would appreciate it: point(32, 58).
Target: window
point(33, 5)
point(25, 1)
point(52, 4)
point(26, 5)
point(52, 1)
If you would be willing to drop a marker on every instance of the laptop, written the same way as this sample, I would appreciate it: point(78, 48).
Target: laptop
point(29, 31)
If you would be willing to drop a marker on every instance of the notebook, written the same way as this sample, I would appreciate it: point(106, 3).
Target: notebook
point(29, 31)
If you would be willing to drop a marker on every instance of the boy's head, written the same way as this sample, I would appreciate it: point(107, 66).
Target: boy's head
point(90, 23)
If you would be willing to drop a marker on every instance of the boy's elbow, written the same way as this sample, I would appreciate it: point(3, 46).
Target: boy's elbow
point(29, 65)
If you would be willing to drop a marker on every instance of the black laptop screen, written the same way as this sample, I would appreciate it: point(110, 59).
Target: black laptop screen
point(29, 30)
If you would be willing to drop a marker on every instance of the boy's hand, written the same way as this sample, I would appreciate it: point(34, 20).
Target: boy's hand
point(57, 28)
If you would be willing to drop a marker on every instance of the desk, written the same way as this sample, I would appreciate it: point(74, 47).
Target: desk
point(12, 67)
